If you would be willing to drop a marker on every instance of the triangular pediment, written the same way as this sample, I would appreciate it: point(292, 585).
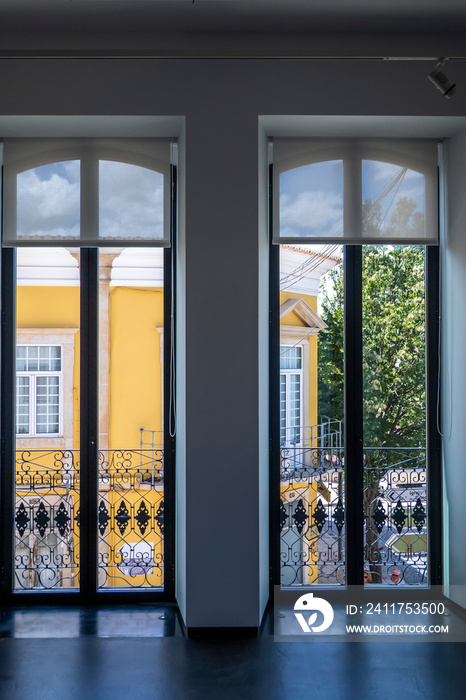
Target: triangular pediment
point(304, 312)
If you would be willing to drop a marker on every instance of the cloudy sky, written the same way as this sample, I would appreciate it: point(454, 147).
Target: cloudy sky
point(311, 197)
point(311, 200)
point(376, 176)
point(130, 201)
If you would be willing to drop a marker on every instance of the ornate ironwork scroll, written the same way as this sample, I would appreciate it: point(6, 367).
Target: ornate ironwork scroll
point(130, 518)
point(46, 554)
point(312, 514)
point(395, 505)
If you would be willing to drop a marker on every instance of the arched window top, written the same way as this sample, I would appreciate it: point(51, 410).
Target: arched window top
point(86, 192)
point(356, 190)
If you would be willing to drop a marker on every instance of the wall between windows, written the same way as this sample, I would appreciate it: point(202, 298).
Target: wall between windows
point(222, 491)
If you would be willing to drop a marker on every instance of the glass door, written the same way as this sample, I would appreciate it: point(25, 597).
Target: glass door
point(87, 369)
point(47, 460)
point(131, 463)
point(354, 363)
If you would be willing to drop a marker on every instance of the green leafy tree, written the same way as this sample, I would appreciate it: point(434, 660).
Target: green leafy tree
point(393, 352)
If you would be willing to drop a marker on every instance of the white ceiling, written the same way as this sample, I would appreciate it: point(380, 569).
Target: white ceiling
point(233, 15)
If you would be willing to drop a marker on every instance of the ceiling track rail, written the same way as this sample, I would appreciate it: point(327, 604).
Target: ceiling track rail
point(204, 54)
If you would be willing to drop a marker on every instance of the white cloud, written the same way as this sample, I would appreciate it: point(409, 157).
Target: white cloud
point(311, 213)
point(47, 208)
point(386, 171)
point(131, 201)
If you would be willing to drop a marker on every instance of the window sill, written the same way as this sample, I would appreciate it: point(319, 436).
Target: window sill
point(41, 442)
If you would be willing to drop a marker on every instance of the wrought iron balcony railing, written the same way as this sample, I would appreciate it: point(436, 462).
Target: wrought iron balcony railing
point(312, 515)
point(130, 518)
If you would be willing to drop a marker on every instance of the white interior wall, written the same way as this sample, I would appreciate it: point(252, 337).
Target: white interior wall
point(263, 369)
point(453, 366)
point(180, 496)
point(222, 538)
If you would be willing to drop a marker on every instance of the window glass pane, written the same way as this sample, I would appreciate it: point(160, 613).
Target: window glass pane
point(388, 189)
point(21, 359)
point(130, 202)
point(131, 492)
point(55, 358)
point(42, 358)
point(47, 466)
point(44, 363)
point(47, 406)
point(312, 514)
point(311, 200)
point(393, 199)
point(282, 409)
point(32, 358)
point(49, 358)
point(48, 201)
point(22, 405)
point(295, 409)
point(290, 358)
point(394, 379)
point(54, 194)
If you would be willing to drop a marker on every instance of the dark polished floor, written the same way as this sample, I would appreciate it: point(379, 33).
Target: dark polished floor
point(140, 653)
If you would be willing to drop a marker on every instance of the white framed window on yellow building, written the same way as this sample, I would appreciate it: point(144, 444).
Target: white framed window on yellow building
point(291, 392)
point(38, 389)
point(45, 359)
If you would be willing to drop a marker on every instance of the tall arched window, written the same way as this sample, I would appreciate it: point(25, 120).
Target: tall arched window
point(356, 226)
point(87, 266)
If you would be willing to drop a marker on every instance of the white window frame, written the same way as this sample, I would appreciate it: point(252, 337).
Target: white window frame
point(65, 338)
point(302, 403)
point(33, 376)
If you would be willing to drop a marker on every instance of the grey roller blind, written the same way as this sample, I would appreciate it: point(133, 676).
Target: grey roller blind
point(355, 191)
point(86, 192)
